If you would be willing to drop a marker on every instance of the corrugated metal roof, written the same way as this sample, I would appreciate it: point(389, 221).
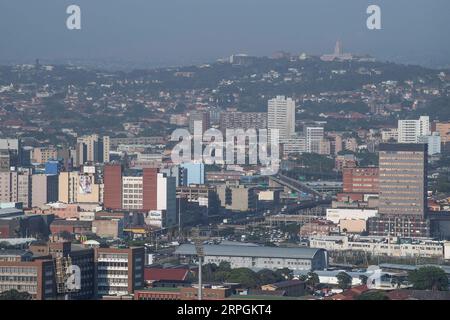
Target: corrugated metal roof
point(17, 241)
point(15, 252)
point(407, 267)
point(246, 251)
point(8, 212)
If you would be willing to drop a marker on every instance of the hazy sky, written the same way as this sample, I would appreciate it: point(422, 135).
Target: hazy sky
point(186, 31)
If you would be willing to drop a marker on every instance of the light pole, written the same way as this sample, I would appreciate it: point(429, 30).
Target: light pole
point(200, 254)
point(179, 218)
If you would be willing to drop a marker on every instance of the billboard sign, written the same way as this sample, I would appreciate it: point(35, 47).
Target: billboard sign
point(85, 184)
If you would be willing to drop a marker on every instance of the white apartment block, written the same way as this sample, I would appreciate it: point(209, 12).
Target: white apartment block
point(314, 137)
point(409, 131)
point(281, 116)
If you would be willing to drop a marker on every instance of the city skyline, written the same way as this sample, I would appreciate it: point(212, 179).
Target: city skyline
point(299, 150)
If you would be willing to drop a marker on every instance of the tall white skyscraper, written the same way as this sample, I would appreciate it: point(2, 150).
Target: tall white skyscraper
point(281, 116)
point(314, 137)
point(409, 131)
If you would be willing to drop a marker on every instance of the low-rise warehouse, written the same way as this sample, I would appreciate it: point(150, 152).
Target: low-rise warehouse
point(259, 257)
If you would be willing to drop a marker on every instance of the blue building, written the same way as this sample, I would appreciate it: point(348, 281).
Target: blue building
point(52, 167)
point(195, 173)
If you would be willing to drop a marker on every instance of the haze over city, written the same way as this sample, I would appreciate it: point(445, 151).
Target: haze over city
point(155, 33)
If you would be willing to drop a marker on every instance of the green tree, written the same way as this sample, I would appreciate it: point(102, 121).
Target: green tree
point(208, 271)
point(285, 273)
point(224, 266)
point(372, 295)
point(246, 277)
point(14, 295)
point(221, 276)
point(428, 278)
point(267, 276)
point(344, 280)
point(303, 278)
point(313, 280)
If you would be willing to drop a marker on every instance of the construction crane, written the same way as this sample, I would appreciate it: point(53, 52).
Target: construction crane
point(200, 255)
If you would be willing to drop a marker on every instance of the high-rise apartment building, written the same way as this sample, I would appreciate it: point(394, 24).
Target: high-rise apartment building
point(403, 179)
point(24, 191)
point(314, 137)
point(15, 186)
point(281, 116)
point(242, 120)
point(199, 117)
point(403, 192)
point(92, 149)
point(409, 131)
point(8, 186)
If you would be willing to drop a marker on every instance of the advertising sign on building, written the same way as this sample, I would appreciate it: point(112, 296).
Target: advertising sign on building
point(85, 184)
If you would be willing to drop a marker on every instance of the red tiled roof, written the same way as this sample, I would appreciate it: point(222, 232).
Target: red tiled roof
point(160, 274)
point(350, 294)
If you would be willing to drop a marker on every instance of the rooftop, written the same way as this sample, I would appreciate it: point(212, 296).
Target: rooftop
point(161, 274)
point(247, 251)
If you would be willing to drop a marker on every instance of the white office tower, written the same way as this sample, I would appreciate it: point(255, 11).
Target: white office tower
point(314, 137)
point(409, 131)
point(433, 141)
point(281, 116)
